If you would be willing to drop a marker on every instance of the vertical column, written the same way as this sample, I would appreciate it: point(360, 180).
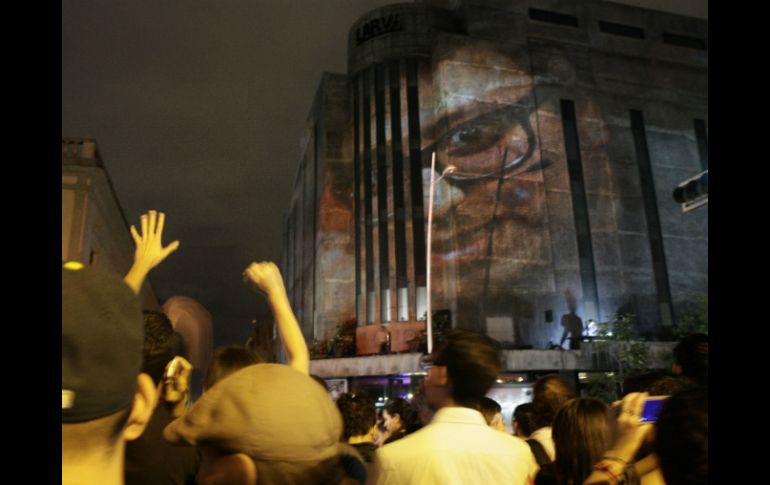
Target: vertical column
point(382, 192)
point(647, 181)
point(415, 176)
point(580, 207)
point(402, 297)
point(367, 181)
point(357, 198)
point(314, 237)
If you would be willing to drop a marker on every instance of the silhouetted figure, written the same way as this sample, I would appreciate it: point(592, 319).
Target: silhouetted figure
point(572, 324)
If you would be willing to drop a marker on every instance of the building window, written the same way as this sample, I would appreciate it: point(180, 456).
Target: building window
point(621, 30)
point(553, 17)
point(684, 41)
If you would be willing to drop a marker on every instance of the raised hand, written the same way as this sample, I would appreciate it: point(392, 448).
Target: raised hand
point(149, 248)
point(265, 277)
point(631, 433)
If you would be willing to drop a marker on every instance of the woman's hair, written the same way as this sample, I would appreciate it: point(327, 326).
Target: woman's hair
point(227, 360)
point(581, 435)
point(409, 419)
point(358, 414)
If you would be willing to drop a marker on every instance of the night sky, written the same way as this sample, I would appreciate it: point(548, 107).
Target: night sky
point(197, 108)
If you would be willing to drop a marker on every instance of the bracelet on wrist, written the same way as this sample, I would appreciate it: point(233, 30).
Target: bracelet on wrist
point(617, 459)
point(606, 468)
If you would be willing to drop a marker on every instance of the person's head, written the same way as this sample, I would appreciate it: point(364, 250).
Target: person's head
point(226, 361)
point(271, 412)
point(464, 366)
point(492, 412)
point(682, 438)
point(523, 420)
point(161, 344)
point(106, 400)
point(581, 434)
point(398, 414)
point(657, 383)
point(691, 358)
point(358, 414)
point(550, 394)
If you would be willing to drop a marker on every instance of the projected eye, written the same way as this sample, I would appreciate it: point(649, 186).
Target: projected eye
point(473, 138)
point(476, 147)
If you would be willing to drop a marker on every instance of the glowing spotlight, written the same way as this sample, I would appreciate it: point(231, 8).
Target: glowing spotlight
point(409, 396)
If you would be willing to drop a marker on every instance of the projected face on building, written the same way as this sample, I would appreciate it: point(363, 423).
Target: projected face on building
point(490, 223)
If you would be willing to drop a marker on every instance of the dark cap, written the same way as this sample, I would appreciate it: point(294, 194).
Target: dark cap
point(102, 335)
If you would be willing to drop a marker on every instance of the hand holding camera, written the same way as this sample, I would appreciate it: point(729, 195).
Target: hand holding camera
point(176, 380)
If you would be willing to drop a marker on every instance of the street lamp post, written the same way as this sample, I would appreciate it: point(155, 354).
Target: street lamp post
point(433, 180)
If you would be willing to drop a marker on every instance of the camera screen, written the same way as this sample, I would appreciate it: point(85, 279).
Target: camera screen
point(651, 410)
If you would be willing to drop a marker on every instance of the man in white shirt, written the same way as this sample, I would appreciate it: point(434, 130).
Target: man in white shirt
point(457, 447)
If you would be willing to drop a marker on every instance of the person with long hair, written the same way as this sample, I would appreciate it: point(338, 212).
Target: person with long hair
point(400, 419)
point(581, 435)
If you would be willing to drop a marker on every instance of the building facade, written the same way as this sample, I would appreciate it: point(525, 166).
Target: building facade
point(560, 130)
point(94, 229)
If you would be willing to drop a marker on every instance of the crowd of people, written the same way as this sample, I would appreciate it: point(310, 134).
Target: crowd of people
point(127, 415)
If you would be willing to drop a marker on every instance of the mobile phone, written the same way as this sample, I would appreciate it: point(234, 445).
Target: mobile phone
point(651, 408)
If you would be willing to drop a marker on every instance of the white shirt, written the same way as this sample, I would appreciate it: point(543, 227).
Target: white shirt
point(456, 448)
point(543, 436)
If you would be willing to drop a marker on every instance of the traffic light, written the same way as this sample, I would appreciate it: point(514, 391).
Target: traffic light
point(693, 192)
